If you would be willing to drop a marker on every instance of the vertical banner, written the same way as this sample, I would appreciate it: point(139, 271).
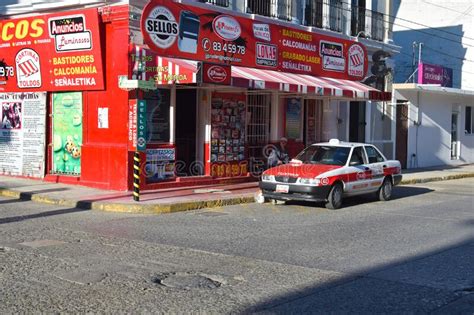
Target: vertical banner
point(141, 125)
point(67, 133)
point(293, 118)
point(23, 134)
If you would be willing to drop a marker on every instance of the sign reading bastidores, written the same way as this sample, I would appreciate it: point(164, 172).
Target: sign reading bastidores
point(52, 52)
point(179, 30)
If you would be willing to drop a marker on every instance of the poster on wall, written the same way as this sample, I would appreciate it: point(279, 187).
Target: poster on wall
point(51, 52)
point(160, 164)
point(67, 133)
point(22, 134)
point(228, 115)
point(293, 118)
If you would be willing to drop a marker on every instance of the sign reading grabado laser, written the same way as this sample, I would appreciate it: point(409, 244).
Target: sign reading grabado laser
point(185, 31)
point(54, 52)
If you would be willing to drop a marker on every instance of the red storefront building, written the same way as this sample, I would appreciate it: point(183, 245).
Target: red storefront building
point(200, 91)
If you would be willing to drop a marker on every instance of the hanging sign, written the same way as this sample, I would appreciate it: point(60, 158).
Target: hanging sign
point(51, 52)
point(186, 31)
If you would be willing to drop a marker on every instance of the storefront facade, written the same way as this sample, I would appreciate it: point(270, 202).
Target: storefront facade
point(215, 89)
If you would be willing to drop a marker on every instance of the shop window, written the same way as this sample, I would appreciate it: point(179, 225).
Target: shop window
point(468, 127)
point(158, 113)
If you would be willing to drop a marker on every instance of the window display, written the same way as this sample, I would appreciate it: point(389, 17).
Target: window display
point(228, 134)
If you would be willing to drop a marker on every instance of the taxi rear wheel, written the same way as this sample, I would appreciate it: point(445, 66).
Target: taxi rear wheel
point(385, 191)
point(335, 197)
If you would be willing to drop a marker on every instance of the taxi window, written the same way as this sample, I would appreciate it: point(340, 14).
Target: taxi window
point(373, 155)
point(330, 155)
point(357, 157)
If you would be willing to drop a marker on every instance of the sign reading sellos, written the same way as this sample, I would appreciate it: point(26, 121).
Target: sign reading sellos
point(54, 52)
point(185, 31)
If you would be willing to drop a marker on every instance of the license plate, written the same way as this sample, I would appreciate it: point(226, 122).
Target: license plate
point(282, 189)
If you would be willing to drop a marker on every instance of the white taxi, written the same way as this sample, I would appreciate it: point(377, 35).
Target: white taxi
point(330, 171)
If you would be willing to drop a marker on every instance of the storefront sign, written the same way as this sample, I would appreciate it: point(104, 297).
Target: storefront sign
point(132, 125)
point(215, 74)
point(141, 125)
point(22, 134)
point(67, 133)
point(189, 32)
point(53, 52)
point(435, 74)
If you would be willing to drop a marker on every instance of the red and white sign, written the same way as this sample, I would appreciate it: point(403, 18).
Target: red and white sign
point(216, 74)
point(52, 52)
point(186, 31)
point(28, 69)
point(356, 61)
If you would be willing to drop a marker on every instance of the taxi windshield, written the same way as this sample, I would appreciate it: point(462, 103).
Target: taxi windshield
point(329, 155)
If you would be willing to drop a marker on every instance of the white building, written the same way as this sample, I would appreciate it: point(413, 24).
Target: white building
point(434, 123)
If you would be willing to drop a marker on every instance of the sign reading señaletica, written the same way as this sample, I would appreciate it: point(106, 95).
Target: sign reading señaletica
point(54, 52)
point(184, 31)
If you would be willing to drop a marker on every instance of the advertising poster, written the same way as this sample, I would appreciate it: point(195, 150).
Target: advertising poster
point(293, 118)
point(51, 52)
point(435, 74)
point(160, 164)
point(189, 32)
point(67, 133)
point(228, 112)
point(22, 134)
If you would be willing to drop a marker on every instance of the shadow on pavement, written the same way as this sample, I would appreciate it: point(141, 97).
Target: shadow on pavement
point(399, 192)
point(39, 215)
point(437, 280)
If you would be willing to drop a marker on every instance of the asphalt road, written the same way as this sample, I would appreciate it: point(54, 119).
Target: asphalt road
point(413, 254)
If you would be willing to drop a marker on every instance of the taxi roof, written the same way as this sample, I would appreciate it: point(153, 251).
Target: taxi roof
point(338, 143)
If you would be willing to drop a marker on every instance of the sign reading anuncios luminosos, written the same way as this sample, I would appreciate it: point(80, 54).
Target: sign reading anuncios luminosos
point(173, 29)
point(53, 52)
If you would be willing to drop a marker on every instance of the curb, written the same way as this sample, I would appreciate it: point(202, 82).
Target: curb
point(435, 179)
point(128, 207)
point(170, 207)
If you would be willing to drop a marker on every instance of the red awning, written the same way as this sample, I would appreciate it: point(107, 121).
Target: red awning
point(184, 72)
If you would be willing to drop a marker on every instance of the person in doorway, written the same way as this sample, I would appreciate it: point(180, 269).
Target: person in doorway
point(279, 155)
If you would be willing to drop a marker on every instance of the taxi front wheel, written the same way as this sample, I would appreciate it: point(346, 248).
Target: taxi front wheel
point(385, 191)
point(335, 197)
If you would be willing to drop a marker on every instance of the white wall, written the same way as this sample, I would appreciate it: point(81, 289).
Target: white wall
point(432, 144)
point(447, 35)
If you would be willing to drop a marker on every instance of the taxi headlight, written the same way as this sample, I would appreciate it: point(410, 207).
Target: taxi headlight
point(310, 181)
point(268, 178)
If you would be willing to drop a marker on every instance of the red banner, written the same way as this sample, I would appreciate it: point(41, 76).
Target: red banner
point(54, 52)
point(190, 32)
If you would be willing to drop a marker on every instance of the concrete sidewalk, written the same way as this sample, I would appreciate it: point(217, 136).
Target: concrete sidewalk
point(175, 199)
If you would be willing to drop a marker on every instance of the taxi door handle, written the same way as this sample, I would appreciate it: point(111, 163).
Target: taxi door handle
point(384, 166)
point(366, 168)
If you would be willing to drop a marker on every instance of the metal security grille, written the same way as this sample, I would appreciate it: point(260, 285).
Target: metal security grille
point(329, 10)
point(258, 127)
point(280, 9)
point(220, 3)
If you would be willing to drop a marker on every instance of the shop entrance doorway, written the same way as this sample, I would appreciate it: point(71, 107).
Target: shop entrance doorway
point(186, 133)
point(313, 121)
point(258, 131)
point(357, 122)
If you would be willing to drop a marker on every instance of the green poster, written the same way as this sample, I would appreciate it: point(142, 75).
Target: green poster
point(67, 133)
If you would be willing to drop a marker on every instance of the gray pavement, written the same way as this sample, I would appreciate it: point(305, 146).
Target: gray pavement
point(175, 199)
point(412, 254)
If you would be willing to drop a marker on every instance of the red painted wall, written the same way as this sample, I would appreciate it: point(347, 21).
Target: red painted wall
point(105, 157)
